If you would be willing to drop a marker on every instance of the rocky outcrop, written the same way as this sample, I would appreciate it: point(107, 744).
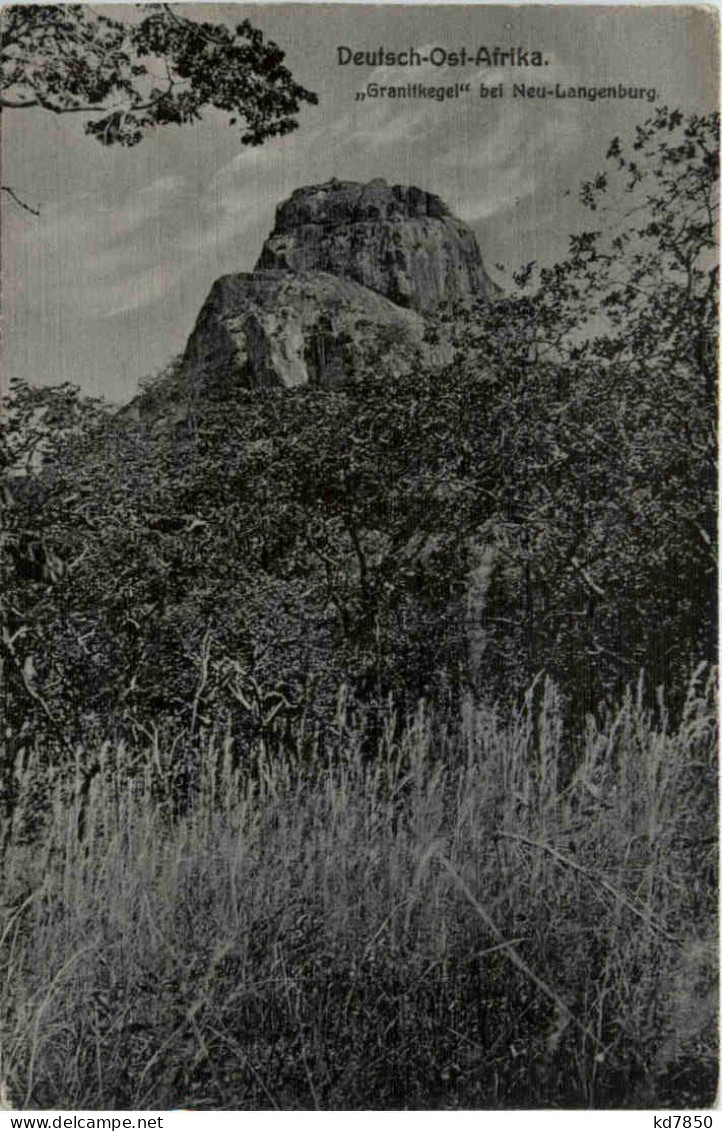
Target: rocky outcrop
point(399, 241)
point(287, 328)
point(347, 267)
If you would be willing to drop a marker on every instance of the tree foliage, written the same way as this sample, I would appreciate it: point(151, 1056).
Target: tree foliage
point(607, 425)
point(164, 69)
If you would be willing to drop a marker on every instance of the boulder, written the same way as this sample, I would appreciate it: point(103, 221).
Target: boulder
point(286, 329)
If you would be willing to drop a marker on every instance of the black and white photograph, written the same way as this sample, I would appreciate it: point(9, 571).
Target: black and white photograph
point(358, 558)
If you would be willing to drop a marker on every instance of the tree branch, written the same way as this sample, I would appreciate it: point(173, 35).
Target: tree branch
point(16, 198)
point(7, 104)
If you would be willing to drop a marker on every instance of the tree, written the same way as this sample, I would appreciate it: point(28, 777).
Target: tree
point(34, 425)
point(130, 77)
point(605, 428)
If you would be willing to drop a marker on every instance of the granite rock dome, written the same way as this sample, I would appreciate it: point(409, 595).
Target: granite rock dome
point(346, 265)
point(396, 240)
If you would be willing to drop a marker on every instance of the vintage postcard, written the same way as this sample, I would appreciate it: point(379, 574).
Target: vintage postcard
point(359, 558)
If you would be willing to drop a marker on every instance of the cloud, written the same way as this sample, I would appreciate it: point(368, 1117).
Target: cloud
point(146, 204)
point(511, 164)
point(139, 290)
point(486, 155)
point(90, 218)
point(239, 203)
point(101, 256)
point(244, 190)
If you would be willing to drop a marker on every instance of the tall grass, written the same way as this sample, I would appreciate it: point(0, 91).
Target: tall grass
point(460, 921)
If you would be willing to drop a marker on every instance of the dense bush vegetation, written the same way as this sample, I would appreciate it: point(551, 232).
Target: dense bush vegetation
point(542, 501)
point(507, 888)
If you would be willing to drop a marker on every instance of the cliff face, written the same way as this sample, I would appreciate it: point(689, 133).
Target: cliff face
point(288, 328)
point(346, 266)
point(401, 242)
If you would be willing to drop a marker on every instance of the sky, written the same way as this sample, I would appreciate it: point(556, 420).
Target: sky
point(103, 288)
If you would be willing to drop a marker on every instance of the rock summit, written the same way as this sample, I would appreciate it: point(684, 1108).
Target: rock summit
point(396, 240)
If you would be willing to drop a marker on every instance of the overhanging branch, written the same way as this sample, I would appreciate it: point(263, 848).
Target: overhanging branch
point(11, 192)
